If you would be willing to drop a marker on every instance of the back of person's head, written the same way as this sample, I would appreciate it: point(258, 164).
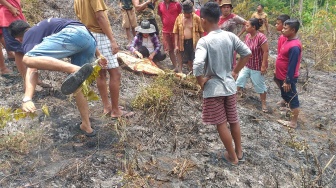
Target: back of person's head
point(211, 12)
point(293, 23)
point(257, 23)
point(283, 18)
point(18, 28)
point(144, 51)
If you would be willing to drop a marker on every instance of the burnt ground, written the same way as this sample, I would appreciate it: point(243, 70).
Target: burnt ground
point(175, 150)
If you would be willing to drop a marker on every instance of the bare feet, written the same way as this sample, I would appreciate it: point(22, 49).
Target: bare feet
point(108, 110)
point(123, 114)
point(226, 158)
point(290, 124)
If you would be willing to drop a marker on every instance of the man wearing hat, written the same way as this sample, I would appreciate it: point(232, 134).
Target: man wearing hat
point(229, 21)
point(187, 31)
point(146, 43)
point(145, 11)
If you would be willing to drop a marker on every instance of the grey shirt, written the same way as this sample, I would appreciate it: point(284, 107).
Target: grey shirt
point(214, 58)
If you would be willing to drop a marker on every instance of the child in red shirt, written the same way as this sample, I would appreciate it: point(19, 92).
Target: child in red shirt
point(279, 26)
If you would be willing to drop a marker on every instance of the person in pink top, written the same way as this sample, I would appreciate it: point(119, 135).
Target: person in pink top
point(168, 10)
point(10, 10)
point(282, 39)
point(256, 67)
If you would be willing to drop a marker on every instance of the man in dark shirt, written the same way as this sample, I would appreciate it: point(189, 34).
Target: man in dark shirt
point(44, 45)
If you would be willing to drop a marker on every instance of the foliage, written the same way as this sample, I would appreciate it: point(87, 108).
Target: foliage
point(319, 40)
point(87, 92)
point(8, 114)
point(157, 97)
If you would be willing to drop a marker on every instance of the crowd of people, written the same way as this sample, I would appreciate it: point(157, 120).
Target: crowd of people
point(205, 39)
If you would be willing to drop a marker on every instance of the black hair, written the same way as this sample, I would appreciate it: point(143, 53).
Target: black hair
point(262, 6)
point(18, 28)
point(211, 12)
point(283, 18)
point(144, 51)
point(293, 23)
point(257, 23)
point(141, 34)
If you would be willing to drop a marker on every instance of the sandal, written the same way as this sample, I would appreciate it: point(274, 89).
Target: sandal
point(92, 134)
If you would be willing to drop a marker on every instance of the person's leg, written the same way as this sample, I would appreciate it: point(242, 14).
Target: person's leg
point(49, 63)
point(230, 104)
point(83, 109)
point(10, 54)
point(128, 34)
point(102, 88)
point(159, 57)
point(243, 75)
point(3, 68)
point(168, 44)
point(259, 84)
point(226, 138)
point(114, 86)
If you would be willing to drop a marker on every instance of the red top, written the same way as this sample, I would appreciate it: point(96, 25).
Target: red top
point(7, 17)
point(282, 39)
point(254, 44)
point(168, 15)
point(198, 13)
point(283, 62)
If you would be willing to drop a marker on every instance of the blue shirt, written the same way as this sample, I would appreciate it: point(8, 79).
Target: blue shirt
point(43, 29)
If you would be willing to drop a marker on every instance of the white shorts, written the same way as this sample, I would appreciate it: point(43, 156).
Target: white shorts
point(104, 47)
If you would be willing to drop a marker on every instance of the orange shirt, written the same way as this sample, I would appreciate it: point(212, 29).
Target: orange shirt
point(196, 30)
point(85, 11)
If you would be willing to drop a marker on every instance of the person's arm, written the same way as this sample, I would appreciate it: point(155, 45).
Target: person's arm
point(241, 21)
point(243, 50)
point(102, 20)
point(103, 61)
point(157, 47)
point(199, 62)
point(200, 28)
point(133, 49)
point(176, 35)
point(266, 24)
point(10, 7)
point(293, 54)
point(264, 48)
point(140, 7)
point(30, 85)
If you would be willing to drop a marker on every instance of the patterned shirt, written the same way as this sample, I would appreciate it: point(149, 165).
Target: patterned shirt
point(231, 22)
point(145, 14)
point(137, 42)
point(262, 16)
point(196, 29)
point(126, 4)
point(255, 44)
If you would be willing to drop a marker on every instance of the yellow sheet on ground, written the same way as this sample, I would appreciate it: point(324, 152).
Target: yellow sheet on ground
point(139, 65)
